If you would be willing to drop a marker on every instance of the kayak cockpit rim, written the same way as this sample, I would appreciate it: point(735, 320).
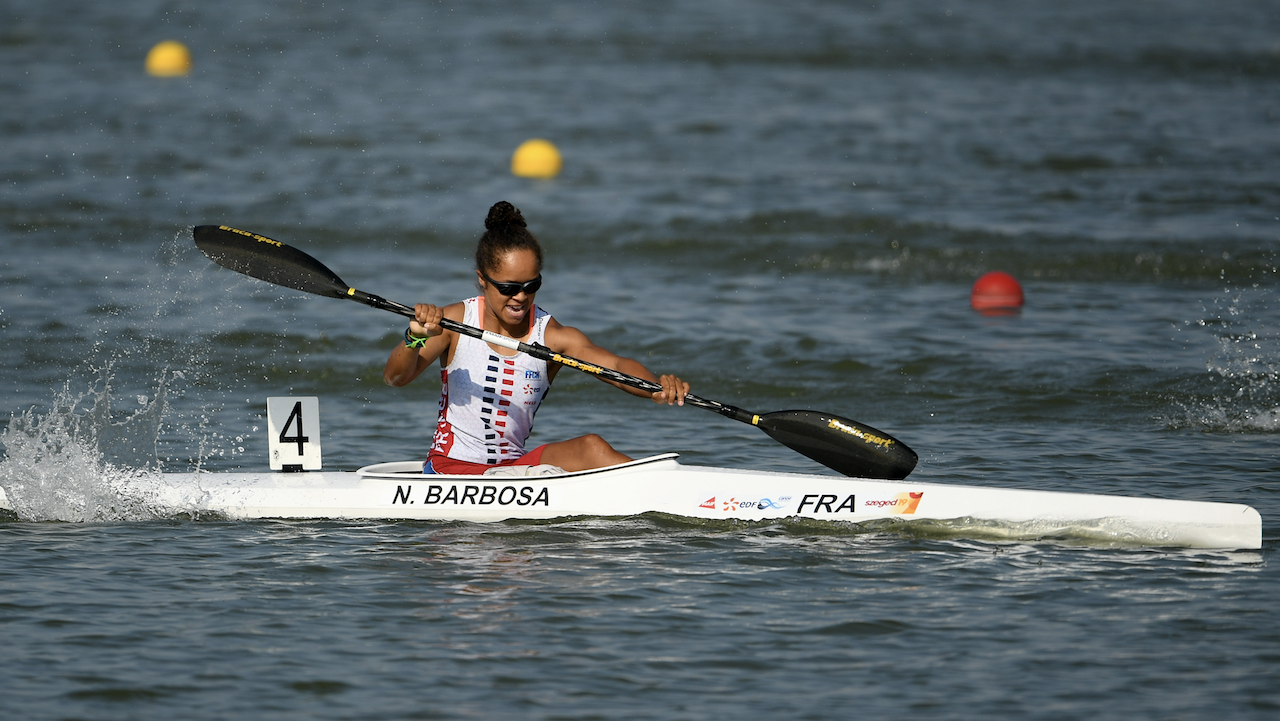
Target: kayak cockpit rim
point(413, 469)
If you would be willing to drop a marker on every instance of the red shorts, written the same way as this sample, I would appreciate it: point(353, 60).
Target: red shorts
point(437, 463)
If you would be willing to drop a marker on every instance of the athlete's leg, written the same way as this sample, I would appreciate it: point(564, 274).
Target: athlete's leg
point(582, 453)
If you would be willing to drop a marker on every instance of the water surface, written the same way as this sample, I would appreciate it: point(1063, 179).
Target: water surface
point(785, 205)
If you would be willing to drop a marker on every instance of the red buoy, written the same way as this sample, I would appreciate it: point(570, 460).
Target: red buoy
point(995, 292)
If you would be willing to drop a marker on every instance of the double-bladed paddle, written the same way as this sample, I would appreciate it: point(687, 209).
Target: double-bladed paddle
point(840, 444)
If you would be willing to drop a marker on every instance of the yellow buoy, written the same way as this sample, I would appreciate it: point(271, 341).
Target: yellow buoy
point(169, 59)
point(536, 158)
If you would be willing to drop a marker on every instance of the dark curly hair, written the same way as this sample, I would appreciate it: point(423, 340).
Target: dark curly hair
point(505, 231)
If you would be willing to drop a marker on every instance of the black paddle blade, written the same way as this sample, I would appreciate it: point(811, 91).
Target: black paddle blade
point(843, 445)
point(266, 259)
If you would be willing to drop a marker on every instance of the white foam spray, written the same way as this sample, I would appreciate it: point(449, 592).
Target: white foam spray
point(74, 463)
point(1244, 373)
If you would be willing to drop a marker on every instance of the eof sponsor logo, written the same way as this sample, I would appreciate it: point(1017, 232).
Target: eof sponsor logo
point(475, 496)
point(903, 503)
point(733, 504)
point(531, 396)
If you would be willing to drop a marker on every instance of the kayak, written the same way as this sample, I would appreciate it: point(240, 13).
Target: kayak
point(874, 492)
point(660, 484)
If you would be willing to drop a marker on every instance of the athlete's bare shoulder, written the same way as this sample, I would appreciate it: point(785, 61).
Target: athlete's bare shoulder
point(565, 338)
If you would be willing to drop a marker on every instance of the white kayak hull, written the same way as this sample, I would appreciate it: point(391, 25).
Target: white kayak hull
point(662, 485)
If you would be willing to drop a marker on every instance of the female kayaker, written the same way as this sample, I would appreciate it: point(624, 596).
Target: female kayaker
point(489, 395)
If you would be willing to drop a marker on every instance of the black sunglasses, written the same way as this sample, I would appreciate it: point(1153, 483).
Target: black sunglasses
point(511, 290)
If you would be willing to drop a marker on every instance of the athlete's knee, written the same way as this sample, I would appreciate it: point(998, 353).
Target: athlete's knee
point(593, 443)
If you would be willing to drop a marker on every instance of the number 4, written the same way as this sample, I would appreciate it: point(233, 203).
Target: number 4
point(300, 439)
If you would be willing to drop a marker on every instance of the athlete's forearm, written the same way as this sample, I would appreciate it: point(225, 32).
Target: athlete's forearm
point(402, 366)
point(635, 368)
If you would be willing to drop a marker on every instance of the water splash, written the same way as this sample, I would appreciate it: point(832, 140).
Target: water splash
point(1242, 390)
point(75, 463)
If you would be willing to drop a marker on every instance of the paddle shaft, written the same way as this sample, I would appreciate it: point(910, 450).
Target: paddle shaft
point(542, 352)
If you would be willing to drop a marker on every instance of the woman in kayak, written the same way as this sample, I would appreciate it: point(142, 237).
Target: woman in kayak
point(489, 396)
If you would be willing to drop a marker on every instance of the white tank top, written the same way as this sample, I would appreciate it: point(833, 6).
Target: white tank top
point(487, 400)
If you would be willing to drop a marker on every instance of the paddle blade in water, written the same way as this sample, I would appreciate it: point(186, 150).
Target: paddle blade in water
point(843, 445)
point(266, 259)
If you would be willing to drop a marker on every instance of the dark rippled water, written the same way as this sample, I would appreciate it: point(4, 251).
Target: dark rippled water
point(785, 205)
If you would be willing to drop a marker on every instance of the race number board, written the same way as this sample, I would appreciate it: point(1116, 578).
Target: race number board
point(293, 433)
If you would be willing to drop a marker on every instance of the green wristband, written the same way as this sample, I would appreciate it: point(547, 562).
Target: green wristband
point(413, 341)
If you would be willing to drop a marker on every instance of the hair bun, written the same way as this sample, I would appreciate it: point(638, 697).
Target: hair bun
point(503, 215)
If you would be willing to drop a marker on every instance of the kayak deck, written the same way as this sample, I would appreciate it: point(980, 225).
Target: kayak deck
point(660, 484)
